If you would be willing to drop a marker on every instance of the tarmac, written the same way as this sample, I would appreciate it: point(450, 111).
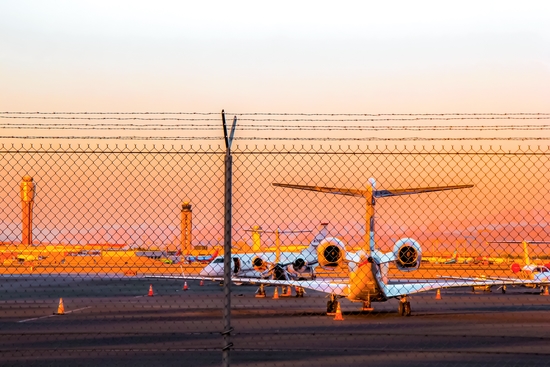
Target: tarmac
point(110, 320)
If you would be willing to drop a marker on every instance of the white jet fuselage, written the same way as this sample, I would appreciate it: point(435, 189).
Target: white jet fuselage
point(241, 264)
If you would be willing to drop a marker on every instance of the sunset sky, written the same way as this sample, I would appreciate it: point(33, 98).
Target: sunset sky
point(287, 56)
point(284, 57)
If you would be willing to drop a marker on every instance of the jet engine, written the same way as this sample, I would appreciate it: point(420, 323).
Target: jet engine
point(259, 264)
point(408, 254)
point(299, 265)
point(331, 253)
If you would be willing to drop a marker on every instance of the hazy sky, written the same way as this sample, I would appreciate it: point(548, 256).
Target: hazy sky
point(284, 56)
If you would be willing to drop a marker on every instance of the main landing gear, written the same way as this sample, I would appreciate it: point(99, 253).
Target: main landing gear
point(404, 308)
point(367, 306)
point(300, 292)
point(332, 305)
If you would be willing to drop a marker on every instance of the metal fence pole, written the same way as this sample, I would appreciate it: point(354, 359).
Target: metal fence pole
point(226, 349)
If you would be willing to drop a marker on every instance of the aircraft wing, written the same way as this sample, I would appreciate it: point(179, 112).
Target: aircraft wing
point(196, 277)
point(411, 286)
point(393, 288)
point(519, 281)
point(336, 286)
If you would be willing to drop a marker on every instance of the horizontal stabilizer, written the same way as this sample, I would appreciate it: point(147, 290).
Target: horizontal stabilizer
point(328, 190)
point(417, 190)
point(375, 193)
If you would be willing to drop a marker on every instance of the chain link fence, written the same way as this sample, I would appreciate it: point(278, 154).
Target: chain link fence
point(113, 254)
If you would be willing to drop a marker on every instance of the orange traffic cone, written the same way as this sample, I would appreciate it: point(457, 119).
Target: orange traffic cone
point(185, 286)
point(202, 282)
point(545, 293)
point(276, 294)
point(151, 294)
point(438, 294)
point(287, 292)
point(60, 308)
point(338, 314)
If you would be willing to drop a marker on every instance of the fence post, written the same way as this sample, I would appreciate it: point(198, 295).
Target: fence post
point(226, 349)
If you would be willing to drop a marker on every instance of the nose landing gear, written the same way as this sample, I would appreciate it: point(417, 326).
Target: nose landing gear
point(404, 306)
point(332, 304)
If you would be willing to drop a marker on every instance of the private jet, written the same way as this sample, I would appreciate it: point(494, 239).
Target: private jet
point(271, 265)
point(368, 279)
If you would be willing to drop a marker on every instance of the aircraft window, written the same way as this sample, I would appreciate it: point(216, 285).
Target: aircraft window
point(218, 261)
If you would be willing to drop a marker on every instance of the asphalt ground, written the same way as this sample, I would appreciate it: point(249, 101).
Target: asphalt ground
point(112, 322)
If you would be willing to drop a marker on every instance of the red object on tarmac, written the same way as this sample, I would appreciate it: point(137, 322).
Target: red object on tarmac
point(185, 287)
point(202, 282)
point(151, 294)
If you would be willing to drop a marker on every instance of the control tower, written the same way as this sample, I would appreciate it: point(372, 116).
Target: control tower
point(27, 201)
point(186, 227)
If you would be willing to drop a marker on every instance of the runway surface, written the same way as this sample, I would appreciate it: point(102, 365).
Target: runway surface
point(112, 322)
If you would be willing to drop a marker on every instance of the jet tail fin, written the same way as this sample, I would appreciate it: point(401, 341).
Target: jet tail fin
point(526, 258)
point(370, 194)
point(319, 237)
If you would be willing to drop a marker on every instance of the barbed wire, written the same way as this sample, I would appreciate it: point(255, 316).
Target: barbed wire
point(188, 138)
point(279, 113)
point(107, 113)
point(270, 127)
point(109, 118)
point(322, 139)
point(271, 121)
point(389, 114)
point(281, 120)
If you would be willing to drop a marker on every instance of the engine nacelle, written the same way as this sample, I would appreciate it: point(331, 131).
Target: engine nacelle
point(259, 264)
point(299, 265)
point(331, 253)
point(408, 254)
